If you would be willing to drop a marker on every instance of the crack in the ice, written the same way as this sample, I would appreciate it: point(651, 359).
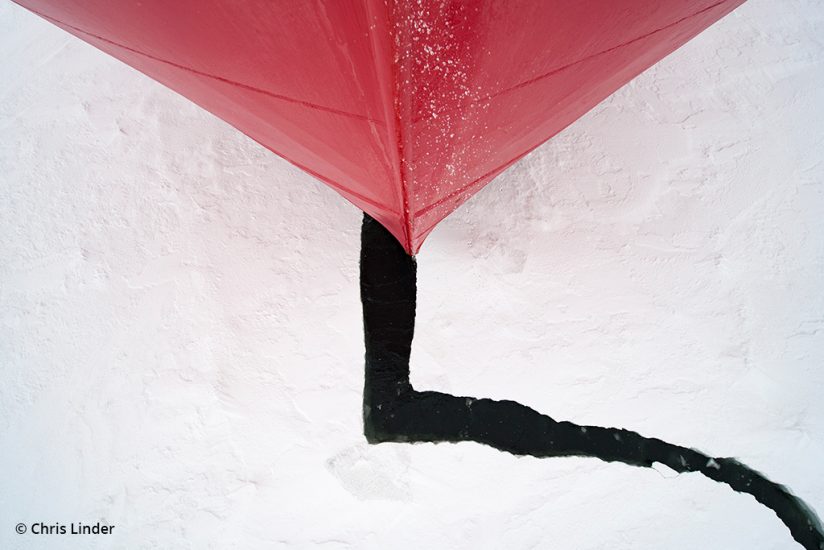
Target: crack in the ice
point(393, 411)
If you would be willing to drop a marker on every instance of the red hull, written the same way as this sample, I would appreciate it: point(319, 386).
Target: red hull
point(406, 107)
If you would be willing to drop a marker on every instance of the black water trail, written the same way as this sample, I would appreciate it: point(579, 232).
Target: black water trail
point(393, 411)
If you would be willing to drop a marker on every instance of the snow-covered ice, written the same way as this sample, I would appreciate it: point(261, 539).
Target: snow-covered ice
point(180, 335)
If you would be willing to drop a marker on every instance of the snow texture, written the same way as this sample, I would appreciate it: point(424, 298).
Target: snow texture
point(181, 344)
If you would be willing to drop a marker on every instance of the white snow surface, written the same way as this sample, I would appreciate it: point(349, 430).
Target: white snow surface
point(181, 346)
